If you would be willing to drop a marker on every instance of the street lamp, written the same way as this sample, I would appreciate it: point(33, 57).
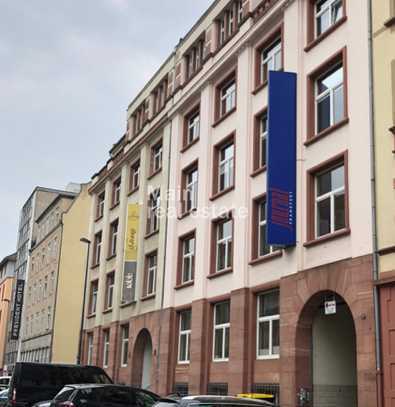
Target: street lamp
point(88, 243)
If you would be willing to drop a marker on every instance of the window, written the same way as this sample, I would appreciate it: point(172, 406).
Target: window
point(153, 212)
point(260, 141)
point(327, 189)
point(226, 96)
point(156, 158)
point(116, 192)
point(134, 176)
point(106, 347)
point(89, 359)
point(270, 60)
point(330, 201)
point(113, 238)
point(224, 166)
point(229, 21)
point(160, 96)
point(192, 127)
point(260, 247)
point(187, 248)
point(97, 249)
point(141, 117)
point(221, 331)
point(93, 297)
point(223, 230)
point(327, 87)
point(124, 345)
point(184, 338)
point(100, 205)
point(327, 13)
point(268, 325)
point(190, 188)
point(151, 269)
point(194, 58)
point(109, 290)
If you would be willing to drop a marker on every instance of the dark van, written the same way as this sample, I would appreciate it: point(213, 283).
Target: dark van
point(33, 382)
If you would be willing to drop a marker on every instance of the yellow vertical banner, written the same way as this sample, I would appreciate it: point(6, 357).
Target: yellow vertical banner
point(131, 254)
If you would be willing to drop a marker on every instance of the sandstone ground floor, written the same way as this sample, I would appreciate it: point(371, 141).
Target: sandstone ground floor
point(307, 338)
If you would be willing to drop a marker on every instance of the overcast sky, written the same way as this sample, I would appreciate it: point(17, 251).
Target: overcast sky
point(68, 70)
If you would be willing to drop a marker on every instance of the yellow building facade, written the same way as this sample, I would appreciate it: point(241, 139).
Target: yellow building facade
point(70, 288)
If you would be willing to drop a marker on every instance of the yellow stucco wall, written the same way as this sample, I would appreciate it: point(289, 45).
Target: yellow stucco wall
point(71, 279)
point(384, 95)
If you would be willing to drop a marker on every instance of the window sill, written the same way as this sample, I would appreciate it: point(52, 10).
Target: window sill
point(328, 237)
point(259, 87)
point(221, 360)
point(127, 304)
point(220, 273)
point(107, 310)
point(150, 234)
point(114, 206)
point(99, 218)
point(188, 146)
point(184, 285)
point(223, 117)
point(90, 316)
point(258, 171)
point(327, 131)
point(112, 256)
point(218, 194)
point(95, 266)
point(390, 22)
point(186, 213)
point(156, 172)
point(325, 34)
point(132, 191)
point(265, 258)
point(183, 364)
point(193, 75)
point(269, 357)
point(147, 297)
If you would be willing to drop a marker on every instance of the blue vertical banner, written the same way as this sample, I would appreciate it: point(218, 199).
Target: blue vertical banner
point(281, 160)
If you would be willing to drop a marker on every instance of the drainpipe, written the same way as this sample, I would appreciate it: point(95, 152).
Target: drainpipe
point(376, 293)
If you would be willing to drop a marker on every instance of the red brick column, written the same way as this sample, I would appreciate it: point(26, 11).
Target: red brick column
point(200, 354)
point(238, 352)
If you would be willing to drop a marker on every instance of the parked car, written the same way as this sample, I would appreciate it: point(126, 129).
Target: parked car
point(94, 395)
point(34, 382)
point(3, 397)
point(5, 382)
point(213, 401)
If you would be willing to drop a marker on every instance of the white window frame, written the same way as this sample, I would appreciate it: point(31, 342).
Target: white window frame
point(106, 348)
point(191, 190)
point(226, 241)
point(239, 6)
point(93, 303)
point(117, 192)
point(135, 176)
point(124, 345)
point(268, 58)
point(110, 290)
point(227, 95)
point(193, 127)
point(331, 195)
point(100, 204)
point(226, 167)
point(330, 92)
point(154, 206)
point(230, 21)
point(90, 349)
point(157, 157)
point(222, 327)
point(114, 237)
point(329, 7)
point(222, 30)
point(262, 222)
point(260, 320)
point(191, 256)
point(151, 274)
point(98, 247)
point(262, 138)
point(187, 334)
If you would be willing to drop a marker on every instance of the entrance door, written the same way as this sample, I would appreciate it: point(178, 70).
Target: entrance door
point(142, 361)
point(326, 354)
point(334, 359)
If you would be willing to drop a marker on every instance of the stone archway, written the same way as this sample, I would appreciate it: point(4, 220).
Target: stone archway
point(142, 360)
point(326, 353)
